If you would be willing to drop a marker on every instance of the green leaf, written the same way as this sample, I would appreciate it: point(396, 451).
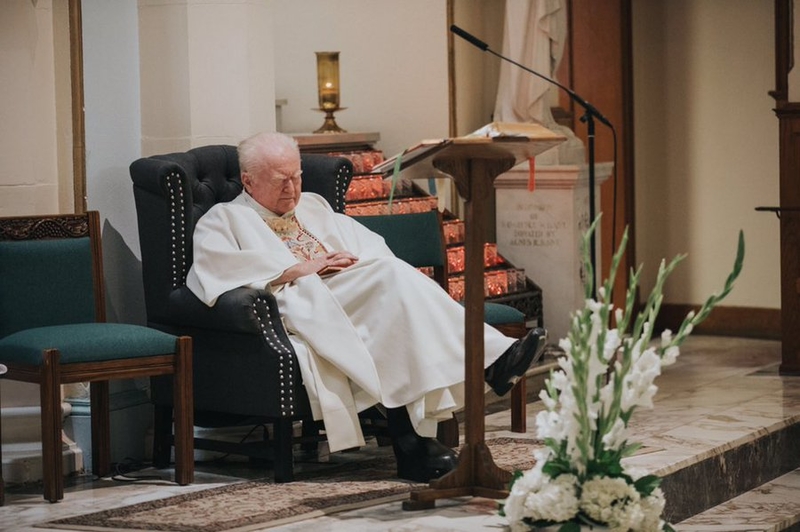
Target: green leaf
point(629, 449)
point(647, 484)
point(570, 527)
point(555, 468)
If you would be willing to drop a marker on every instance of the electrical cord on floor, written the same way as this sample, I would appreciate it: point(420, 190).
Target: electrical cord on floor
point(122, 471)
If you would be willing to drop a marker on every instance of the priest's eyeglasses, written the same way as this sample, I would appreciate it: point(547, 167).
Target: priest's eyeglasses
point(279, 180)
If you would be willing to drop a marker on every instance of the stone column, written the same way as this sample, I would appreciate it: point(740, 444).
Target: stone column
point(541, 232)
point(207, 72)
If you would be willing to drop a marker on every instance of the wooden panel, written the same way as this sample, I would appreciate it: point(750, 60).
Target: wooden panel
point(599, 71)
point(726, 321)
point(789, 140)
point(789, 117)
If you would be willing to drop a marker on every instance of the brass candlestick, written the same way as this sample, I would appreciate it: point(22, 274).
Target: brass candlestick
point(328, 86)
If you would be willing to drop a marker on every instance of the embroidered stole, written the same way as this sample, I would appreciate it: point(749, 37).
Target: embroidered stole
point(303, 245)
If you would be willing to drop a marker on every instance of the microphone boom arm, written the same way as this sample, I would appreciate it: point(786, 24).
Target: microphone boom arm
point(590, 113)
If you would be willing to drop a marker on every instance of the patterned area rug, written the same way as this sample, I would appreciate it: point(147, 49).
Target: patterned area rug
point(262, 504)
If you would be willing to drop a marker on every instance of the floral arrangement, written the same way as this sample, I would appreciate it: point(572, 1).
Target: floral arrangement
point(579, 479)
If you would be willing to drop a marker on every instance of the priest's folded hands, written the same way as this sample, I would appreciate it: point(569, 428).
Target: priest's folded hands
point(367, 327)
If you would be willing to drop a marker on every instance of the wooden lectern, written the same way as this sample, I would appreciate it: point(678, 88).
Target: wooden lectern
point(473, 162)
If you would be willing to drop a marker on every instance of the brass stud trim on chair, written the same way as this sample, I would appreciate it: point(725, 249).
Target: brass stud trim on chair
point(342, 182)
point(177, 228)
point(285, 358)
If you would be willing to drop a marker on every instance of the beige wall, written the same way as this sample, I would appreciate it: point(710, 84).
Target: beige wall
point(477, 71)
point(207, 72)
point(28, 151)
point(706, 137)
point(706, 145)
point(393, 66)
point(29, 128)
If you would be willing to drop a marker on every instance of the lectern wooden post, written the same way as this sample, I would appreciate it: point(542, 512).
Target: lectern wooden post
point(473, 163)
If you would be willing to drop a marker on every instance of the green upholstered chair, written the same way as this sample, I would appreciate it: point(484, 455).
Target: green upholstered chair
point(246, 372)
point(418, 238)
point(53, 332)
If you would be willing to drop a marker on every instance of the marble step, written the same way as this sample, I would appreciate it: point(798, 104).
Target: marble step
point(771, 507)
point(731, 469)
point(725, 428)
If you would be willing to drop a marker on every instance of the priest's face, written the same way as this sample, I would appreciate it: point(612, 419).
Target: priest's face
point(276, 186)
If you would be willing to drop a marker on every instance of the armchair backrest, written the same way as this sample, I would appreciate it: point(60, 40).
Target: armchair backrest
point(50, 271)
point(173, 191)
point(417, 238)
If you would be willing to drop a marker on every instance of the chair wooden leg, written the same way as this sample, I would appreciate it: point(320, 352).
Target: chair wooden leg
point(101, 428)
point(519, 414)
point(284, 457)
point(50, 394)
point(183, 412)
point(447, 432)
point(519, 392)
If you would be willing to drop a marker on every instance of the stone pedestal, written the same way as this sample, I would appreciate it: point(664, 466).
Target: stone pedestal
point(22, 445)
point(541, 232)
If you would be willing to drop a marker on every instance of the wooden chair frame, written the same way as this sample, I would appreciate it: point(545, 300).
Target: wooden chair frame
point(51, 374)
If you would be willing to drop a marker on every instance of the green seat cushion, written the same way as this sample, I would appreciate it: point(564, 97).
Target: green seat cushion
point(499, 314)
point(85, 342)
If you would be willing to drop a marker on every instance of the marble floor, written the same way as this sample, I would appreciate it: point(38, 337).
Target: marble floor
point(723, 395)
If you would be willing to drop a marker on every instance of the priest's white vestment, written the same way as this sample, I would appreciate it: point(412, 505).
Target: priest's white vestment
point(376, 332)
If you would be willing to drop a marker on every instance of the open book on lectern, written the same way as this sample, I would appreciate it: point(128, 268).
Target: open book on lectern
point(523, 140)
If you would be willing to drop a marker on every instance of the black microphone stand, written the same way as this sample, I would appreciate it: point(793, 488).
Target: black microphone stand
point(589, 115)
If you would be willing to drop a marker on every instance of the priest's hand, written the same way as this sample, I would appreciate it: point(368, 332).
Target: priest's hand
point(335, 261)
point(323, 265)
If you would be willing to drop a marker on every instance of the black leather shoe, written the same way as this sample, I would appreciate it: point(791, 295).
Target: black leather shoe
point(507, 370)
point(422, 459)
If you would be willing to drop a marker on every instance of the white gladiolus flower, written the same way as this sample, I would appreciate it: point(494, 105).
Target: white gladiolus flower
point(670, 355)
point(605, 374)
point(615, 437)
point(613, 342)
point(548, 402)
point(548, 425)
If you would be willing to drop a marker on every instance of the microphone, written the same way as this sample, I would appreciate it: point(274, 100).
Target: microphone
point(589, 108)
point(590, 113)
point(469, 37)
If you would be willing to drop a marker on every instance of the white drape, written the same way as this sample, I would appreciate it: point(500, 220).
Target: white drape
point(376, 332)
point(534, 36)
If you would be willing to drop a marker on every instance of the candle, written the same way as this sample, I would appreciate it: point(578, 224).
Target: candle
point(328, 79)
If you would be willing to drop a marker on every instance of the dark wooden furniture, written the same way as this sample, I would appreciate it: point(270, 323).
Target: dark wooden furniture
point(53, 331)
point(473, 163)
point(245, 368)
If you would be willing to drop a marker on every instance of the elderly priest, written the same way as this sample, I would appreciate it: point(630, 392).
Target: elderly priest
point(367, 327)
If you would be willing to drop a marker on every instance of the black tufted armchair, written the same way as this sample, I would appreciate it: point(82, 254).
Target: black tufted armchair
point(245, 369)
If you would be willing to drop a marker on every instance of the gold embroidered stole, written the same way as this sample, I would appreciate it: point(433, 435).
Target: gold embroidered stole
point(303, 245)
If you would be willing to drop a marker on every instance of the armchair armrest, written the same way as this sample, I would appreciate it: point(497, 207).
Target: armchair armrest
point(241, 310)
